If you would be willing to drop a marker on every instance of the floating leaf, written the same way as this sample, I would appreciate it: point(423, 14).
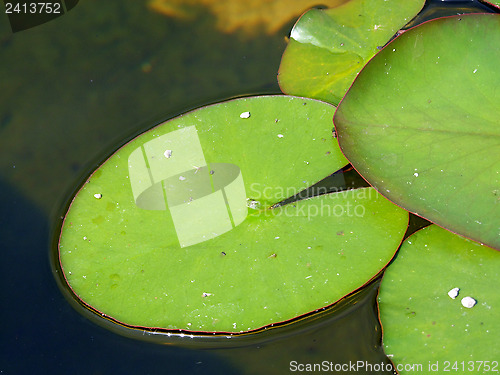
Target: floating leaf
point(422, 324)
point(421, 123)
point(328, 48)
point(163, 235)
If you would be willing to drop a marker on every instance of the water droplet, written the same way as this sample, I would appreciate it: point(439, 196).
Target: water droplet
point(468, 302)
point(453, 293)
point(253, 204)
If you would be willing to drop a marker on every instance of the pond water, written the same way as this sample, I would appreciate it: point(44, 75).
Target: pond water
point(73, 90)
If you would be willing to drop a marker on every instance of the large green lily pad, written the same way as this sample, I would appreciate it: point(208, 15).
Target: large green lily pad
point(422, 124)
point(328, 48)
point(422, 324)
point(162, 234)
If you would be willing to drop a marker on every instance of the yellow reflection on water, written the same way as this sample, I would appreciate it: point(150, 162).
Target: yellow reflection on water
point(251, 17)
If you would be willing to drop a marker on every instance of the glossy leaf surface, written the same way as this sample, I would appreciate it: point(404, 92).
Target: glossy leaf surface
point(421, 323)
point(422, 124)
point(328, 48)
point(162, 234)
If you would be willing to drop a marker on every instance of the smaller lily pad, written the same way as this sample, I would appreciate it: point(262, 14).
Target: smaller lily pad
point(328, 48)
point(422, 323)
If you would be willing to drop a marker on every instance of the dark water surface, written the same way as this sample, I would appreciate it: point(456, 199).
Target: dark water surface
point(72, 91)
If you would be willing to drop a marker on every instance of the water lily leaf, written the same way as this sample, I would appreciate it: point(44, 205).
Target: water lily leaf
point(328, 48)
point(422, 324)
point(421, 123)
point(163, 235)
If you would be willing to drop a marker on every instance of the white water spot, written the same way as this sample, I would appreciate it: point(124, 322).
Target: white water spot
point(276, 238)
point(415, 174)
point(167, 154)
point(468, 302)
point(245, 115)
point(253, 204)
point(453, 293)
point(97, 196)
point(486, 305)
point(280, 135)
